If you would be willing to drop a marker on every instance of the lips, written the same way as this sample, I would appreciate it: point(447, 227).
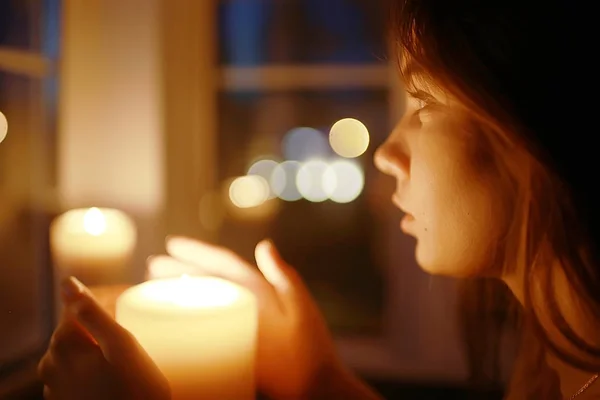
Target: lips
point(396, 201)
point(408, 219)
point(406, 224)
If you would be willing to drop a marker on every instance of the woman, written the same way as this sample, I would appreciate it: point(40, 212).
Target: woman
point(492, 172)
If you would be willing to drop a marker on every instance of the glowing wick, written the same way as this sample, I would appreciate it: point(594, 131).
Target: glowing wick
point(94, 222)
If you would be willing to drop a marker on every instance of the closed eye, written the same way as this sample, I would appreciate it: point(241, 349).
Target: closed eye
point(422, 96)
point(422, 102)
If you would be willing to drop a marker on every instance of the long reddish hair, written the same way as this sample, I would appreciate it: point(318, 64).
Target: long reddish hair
point(494, 57)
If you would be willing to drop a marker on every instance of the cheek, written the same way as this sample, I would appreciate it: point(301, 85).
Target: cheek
point(457, 217)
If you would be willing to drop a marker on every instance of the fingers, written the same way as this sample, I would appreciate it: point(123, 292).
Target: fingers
point(70, 335)
point(65, 357)
point(161, 267)
point(107, 295)
point(46, 368)
point(217, 261)
point(71, 350)
point(273, 268)
point(283, 278)
point(69, 338)
point(273, 276)
point(83, 307)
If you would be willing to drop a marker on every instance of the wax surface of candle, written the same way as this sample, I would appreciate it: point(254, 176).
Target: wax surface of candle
point(93, 244)
point(200, 331)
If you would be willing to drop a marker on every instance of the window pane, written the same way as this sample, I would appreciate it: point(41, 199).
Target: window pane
point(30, 25)
point(328, 242)
point(255, 32)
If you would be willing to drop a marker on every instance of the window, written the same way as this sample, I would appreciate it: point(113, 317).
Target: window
point(28, 98)
point(286, 64)
point(280, 72)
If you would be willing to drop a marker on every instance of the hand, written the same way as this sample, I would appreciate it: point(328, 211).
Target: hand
point(294, 345)
point(107, 295)
point(92, 357)
point(295, 349)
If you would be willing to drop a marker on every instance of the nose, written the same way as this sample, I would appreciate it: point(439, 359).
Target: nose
point(391, 159)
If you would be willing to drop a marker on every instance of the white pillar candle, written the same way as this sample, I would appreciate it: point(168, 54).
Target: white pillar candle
point(200, 331)
point(94, 244)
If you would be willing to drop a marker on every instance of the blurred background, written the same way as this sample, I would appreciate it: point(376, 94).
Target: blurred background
point(212, 119)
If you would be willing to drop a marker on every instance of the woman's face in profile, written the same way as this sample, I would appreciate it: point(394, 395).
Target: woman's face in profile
point(452, 202)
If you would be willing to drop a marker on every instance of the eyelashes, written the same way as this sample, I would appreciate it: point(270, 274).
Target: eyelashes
point(421, 95)
point(418, 111)
point(420, 104)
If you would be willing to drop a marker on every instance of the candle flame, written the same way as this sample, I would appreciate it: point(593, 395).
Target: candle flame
point(94, 222)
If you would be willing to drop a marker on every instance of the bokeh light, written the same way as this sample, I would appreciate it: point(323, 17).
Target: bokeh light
point(306, 172)
point(349, 138)
point(248, 191)
point(301, 144)
point(264, 168)
point(310, 180)
point(283, 181)
point(3, 127)
point(343, 181)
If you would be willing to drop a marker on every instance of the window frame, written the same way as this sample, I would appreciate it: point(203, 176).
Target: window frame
point(20, 375)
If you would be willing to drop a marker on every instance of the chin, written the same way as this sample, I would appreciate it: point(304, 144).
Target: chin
point(434, 263)
point(436, 269)
point(426, 260)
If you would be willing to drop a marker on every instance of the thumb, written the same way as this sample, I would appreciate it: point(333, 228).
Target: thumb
point(85, 309)
point(275, 270)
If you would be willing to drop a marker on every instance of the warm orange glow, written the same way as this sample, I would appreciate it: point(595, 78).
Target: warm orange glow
point(211, 211)
point(87, 236)
point(176, 320)
point(249, 191)
point(185, 291)
point(94, 222)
